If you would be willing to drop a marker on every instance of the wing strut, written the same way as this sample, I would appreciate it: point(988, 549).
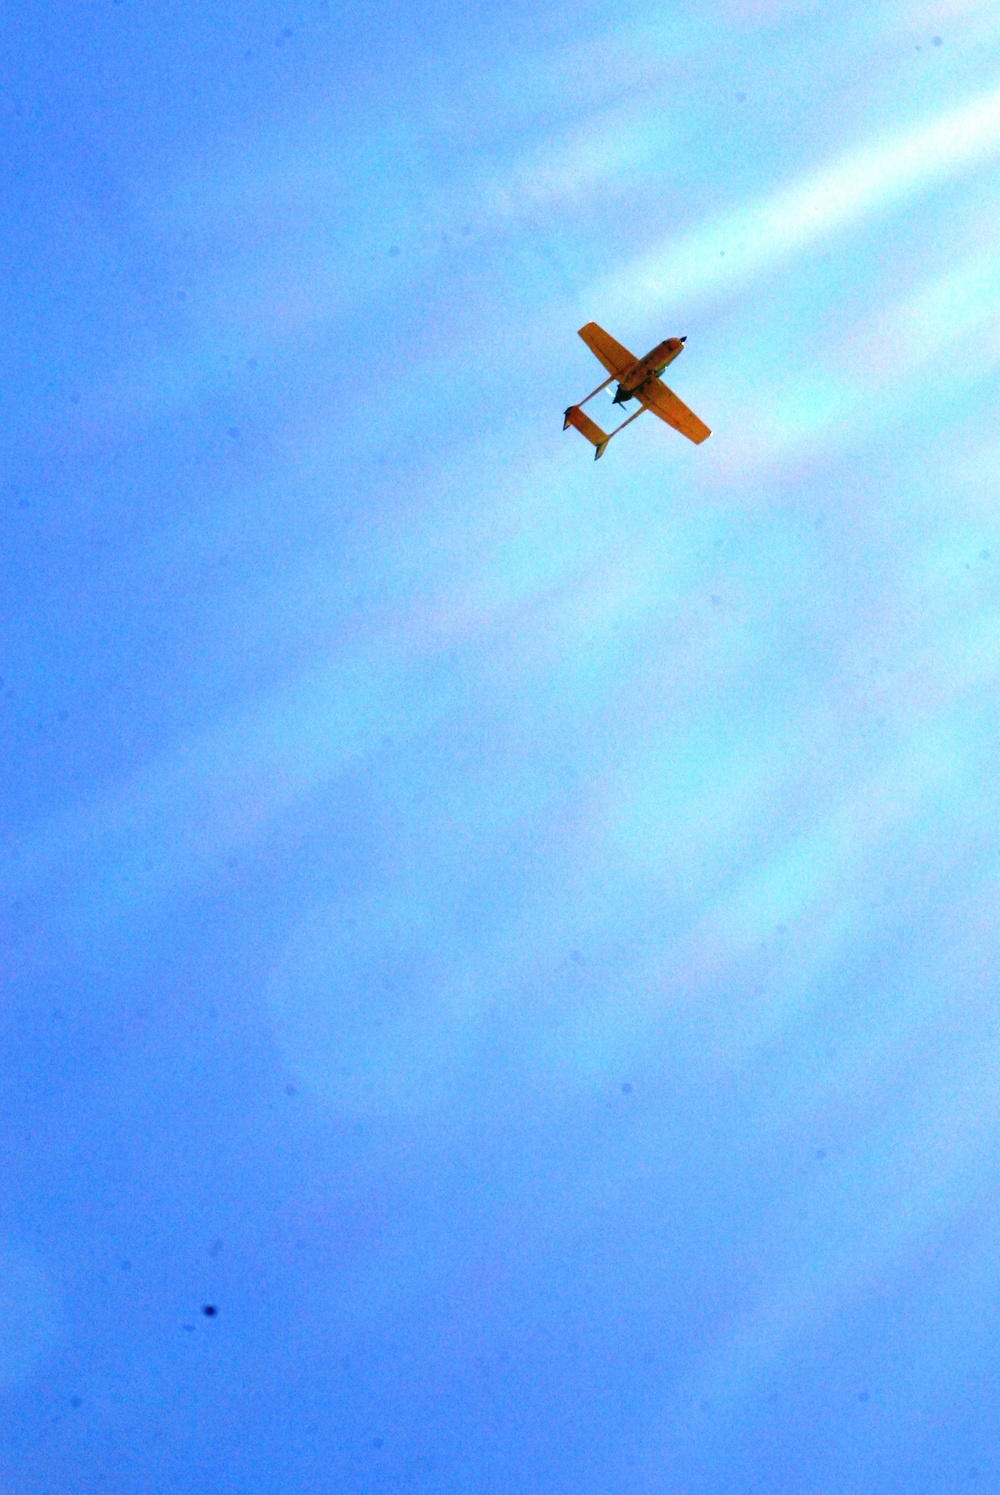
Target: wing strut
point(626, 422)
point(609, 380)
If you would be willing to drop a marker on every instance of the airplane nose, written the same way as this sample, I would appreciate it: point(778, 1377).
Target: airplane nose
point(683, 339)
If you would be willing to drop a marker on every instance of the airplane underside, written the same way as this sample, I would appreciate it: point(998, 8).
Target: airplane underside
point(643, 385)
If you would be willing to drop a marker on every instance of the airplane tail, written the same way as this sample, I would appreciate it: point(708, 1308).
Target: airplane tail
point(586, 427)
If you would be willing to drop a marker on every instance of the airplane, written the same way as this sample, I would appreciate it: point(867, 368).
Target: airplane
point(638, 379)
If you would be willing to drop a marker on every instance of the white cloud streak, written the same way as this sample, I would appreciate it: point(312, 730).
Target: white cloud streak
point(718, 257)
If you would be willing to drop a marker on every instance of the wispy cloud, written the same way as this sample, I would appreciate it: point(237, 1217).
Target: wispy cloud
point(718, 257)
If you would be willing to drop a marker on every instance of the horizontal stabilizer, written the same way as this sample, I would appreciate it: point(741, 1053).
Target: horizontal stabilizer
point(586, 427)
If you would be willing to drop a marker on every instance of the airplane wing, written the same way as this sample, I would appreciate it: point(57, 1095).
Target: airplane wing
point(614, 357)
point(663, 402)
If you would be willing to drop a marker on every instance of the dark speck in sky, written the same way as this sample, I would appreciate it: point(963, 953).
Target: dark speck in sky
point(626, 1088)
point(936, 40)
point(210, 1310)
point(862, 1396)
point(76, 1401)
point(234, 431)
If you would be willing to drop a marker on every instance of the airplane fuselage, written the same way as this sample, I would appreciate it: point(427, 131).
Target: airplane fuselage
point(648, 368)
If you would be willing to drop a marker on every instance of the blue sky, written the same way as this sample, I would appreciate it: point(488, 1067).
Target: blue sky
point(515, 935)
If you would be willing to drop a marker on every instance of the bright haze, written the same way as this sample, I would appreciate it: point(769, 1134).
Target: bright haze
point(515, 936)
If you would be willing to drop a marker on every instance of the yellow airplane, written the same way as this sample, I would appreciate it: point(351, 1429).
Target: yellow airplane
point(638, 379)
